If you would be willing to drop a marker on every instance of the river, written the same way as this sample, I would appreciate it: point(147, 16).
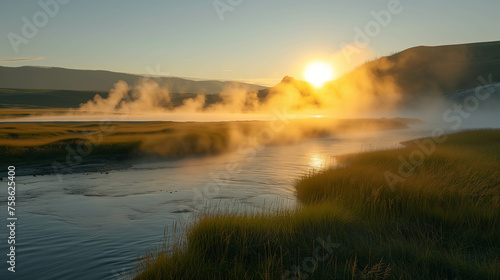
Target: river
point(94, 225)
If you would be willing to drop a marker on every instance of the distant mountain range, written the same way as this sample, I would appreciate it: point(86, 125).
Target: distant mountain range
point(412, 73)
point(28, 77)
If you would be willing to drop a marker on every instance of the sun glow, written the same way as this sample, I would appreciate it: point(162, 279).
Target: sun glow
point(318, 73)
point(317, 162)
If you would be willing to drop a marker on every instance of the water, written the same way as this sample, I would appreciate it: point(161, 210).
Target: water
point(94, 226)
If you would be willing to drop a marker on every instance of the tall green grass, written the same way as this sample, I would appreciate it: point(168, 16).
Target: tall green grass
point(265, 246)
point(441, 222)
point(448, 208)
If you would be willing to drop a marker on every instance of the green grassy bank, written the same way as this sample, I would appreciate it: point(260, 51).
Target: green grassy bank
point(430, 210)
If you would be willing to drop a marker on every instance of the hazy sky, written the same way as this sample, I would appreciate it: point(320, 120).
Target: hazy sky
point(254, 40)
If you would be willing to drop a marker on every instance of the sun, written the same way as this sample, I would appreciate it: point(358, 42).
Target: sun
point(318, 73)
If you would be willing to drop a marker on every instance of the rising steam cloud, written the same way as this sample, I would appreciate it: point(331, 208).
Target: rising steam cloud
point(376, 86)
point(149, 97)
point(385, 87)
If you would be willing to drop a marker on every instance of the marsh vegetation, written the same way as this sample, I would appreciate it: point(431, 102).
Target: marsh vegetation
point(440, 222)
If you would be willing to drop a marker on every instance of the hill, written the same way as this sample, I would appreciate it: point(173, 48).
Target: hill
point(431, 70)
point(40, 99)
point(28, 77)
point(415, 72)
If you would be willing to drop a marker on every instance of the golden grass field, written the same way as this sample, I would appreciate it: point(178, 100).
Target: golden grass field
point(27, 144)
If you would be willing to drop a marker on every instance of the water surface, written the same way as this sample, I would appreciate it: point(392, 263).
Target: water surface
point(94, 225)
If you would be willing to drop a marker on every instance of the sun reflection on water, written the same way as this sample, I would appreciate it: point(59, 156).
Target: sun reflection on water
point(320, 162)
point(317, 162)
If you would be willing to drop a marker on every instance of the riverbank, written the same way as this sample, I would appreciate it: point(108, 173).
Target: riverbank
point(429, 210)
point(65, 148)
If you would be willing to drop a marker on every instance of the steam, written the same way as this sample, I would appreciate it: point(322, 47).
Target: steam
point(148, 96)
point(413, 79)
point(297, 97)
point(249, 137)
point(407, 84)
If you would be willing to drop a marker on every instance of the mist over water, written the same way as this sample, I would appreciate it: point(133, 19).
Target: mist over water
point(69, 228)
point(473, 108)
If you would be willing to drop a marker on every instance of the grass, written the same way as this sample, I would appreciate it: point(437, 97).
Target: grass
point(441, 221)
point(13, 112)
point(39, 144)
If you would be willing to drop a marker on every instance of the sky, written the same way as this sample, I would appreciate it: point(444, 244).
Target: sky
point(258, 41)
